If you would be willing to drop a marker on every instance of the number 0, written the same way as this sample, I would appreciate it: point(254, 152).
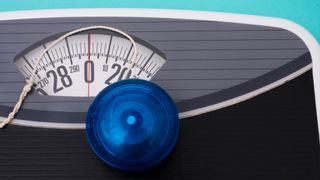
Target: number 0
point(89, 71)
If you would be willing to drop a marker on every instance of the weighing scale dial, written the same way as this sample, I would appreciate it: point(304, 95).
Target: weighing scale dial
point(83, 64)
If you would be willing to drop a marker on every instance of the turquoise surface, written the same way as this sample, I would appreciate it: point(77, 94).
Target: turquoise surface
point(303, 12)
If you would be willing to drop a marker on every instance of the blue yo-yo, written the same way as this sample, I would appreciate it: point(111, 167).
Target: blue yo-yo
point(132, 125)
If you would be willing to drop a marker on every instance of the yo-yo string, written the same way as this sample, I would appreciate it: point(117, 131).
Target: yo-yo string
point(29, 82)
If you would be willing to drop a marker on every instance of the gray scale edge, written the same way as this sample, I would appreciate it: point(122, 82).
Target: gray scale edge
point(204, 59)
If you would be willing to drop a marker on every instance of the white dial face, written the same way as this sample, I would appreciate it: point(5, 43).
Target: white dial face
point(83, 64)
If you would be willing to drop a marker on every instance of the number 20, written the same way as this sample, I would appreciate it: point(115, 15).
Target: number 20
point(118, 69)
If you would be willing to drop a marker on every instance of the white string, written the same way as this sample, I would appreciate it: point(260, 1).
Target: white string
point(29, 83)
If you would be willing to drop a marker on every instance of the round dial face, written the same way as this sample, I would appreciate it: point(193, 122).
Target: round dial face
point(83, 64)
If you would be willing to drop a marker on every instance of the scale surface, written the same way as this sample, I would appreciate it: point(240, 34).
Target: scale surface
point(205, 61)
point(209, 60)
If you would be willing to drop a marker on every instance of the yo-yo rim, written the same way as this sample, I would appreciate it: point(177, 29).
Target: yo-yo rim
point(112, 160)
point(165, 148)
point(119, 91)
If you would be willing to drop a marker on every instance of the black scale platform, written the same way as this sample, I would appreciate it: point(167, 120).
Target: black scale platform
point(272, 136)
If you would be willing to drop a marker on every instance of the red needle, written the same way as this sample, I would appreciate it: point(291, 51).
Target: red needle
point(89, 64)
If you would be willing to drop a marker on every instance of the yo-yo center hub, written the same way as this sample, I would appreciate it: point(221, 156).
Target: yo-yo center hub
point(132, 121)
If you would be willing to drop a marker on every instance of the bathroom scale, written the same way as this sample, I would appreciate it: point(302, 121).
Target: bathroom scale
point(245, 87)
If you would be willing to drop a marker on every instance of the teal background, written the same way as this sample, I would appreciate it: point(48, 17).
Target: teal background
point(303, 12)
